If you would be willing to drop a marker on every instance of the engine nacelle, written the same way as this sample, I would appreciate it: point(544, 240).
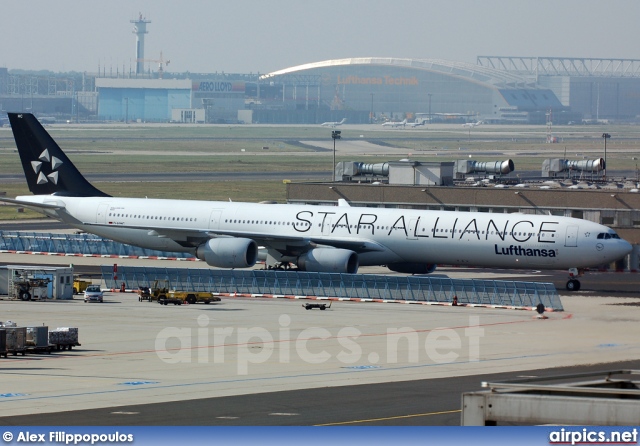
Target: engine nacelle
point(329, 260)
point(412, 268)
point(229, 252)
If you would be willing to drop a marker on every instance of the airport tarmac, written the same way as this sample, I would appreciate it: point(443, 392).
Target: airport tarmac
point(270, 361)
point(136, 353)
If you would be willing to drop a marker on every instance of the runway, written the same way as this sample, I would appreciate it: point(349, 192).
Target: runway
point(187, 177)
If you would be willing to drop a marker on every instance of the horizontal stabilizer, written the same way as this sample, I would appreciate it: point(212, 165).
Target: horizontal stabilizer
point(31, 205)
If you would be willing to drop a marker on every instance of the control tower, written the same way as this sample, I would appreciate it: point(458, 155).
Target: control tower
point(140, 29)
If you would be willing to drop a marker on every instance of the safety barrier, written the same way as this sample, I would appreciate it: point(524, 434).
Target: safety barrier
point(294, 284)
point(85, 244)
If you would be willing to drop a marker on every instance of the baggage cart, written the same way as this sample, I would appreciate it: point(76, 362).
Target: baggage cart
point(311, 306)
point(144, 293)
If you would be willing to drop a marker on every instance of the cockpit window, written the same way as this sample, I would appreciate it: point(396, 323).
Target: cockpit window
point(607, 236)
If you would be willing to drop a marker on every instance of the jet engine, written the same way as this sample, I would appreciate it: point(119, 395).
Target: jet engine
point(412, 268)
point(329, 260)
point(229, 252)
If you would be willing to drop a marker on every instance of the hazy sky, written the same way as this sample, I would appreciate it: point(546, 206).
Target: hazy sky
point(243, 36)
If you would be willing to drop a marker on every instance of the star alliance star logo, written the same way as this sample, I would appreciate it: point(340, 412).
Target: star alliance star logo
point(37, 168)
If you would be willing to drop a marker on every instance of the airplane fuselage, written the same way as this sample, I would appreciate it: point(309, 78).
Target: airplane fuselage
point(391, 235)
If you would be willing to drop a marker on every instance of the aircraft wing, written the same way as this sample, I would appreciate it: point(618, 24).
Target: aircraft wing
point(286, 244)
point(298, 245)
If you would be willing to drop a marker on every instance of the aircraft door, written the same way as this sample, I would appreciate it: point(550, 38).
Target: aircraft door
point(214, 219)
point(101, 214)
point(571, 239)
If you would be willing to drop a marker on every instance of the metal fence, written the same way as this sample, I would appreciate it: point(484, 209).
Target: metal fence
point(87, 244)
point(360, 286)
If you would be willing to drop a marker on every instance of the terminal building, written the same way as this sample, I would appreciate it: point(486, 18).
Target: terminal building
point(372, 89)
point(363, 90)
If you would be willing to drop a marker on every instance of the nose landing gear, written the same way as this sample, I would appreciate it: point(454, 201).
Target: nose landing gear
point(573, 284)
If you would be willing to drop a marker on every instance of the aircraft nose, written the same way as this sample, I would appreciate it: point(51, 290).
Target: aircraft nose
point(625, 248)
point(618, 250)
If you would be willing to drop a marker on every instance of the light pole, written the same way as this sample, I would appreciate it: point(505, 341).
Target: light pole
point(335, 135)
point(605, 136)
point(371, 114)
point(429, 94)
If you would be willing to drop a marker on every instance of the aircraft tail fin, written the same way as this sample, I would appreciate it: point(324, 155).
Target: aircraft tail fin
point(46, 167)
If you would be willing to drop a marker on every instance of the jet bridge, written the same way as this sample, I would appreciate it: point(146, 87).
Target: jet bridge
point(358, 287)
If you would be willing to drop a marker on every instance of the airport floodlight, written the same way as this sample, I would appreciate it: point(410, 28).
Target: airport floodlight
point(605, 136)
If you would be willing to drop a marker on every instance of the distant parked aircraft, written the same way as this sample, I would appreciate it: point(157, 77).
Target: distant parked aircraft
point(394, 124)
point(334, 123)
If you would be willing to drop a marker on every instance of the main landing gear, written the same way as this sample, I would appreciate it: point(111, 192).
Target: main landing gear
point(573, 284)
point(282, 266)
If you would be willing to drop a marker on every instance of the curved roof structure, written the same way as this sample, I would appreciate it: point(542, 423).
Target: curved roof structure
point(475, 73)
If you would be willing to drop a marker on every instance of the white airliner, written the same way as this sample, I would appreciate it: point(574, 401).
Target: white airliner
point(334, 123)
point(473, 124)
point(394, 124)
point(315, 238)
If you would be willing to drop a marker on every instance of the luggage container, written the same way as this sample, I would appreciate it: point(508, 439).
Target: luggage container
point(64, 338)
point(38, 339)
point(16, 340)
